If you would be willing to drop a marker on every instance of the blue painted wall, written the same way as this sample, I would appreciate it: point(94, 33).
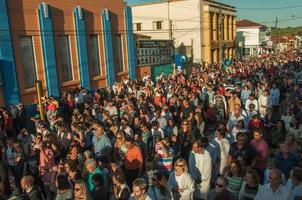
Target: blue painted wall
point(110, 71)
point(82, 47)
point(130, 43)
point(8, 65)
point(49, 55)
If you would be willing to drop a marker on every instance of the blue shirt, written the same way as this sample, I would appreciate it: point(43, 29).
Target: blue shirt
point(285, 165)
point(101, 146)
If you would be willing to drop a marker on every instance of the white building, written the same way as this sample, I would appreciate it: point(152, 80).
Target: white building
point(255, 37)
point(192, 24)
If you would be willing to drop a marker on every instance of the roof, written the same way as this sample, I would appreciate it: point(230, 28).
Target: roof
point(285, 38)
point(247, 23)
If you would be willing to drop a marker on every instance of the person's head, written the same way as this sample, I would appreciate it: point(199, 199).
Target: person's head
point(99, 129)
point(70, 166)
point(139, 188)
point(118, 179)
point(197, 147)
point(241, 138)
point(257, 134)
point(252, 177)
point(235, 168)
point(275, 177)
point(221, 184)
point(129, 141)
point(27, 182)
point(180, 166)
point(80, 190)
point(284, 148)
point(240, 124)
point(297, 176)
point(290, 139)
point(62, 182)
point(280, 125)
point(90, 165)
point(159, 179)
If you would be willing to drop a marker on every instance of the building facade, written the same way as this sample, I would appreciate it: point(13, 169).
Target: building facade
point(64, 44)
point(254, 37)
point(193, 25)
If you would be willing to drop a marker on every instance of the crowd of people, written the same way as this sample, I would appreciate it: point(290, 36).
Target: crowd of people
point(217, 133)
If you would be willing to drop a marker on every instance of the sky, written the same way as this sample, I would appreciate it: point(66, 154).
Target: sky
point(288, 12)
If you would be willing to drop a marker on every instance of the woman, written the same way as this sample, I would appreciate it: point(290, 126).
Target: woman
point(64, 191)
point(235, 177)
point(121, 190)
point(199, 125)
point(81, 191)
point(250, 186)
point(180, 182)
point(75, 155)
point(158, 189)
point(171, 128)
point(72, 171)
point(120, 148)
point(238, 128)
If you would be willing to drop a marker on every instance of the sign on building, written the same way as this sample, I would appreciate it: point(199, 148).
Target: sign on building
point(154, 52)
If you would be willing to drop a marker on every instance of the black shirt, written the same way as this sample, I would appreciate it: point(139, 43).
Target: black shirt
point(247, 152)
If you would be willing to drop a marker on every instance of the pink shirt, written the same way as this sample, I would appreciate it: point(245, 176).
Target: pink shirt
point(46, 166)
point(262, 150)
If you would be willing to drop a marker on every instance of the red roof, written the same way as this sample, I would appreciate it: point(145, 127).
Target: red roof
point(282, 38)
point(247, 23)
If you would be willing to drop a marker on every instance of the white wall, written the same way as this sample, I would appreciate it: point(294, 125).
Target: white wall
point(185, 22)
point(251, 36)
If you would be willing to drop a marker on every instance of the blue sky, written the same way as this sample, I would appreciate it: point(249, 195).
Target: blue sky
point(262, 11)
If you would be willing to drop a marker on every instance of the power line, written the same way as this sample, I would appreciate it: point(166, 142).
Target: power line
point(272, 8)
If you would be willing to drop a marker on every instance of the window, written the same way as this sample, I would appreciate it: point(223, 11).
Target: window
point(157, 25)
point(28, 61)
point(118, 53)
point(138, 26)
point(246, 51)
point(94, 55)
point(64, 49)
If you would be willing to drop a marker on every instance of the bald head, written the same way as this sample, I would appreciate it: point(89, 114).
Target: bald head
point(27, 182)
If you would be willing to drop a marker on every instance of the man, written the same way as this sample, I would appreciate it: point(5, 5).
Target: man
point(274, 190)
point(26, 139)
point(233, 101)
point(220, 187)
point(101, 143)
point(200, 168)
point(220, 104)
point(262, 151)
point(92, 170)
point(133, 162)
point(250, 101)
point(139, 190)
point(32, 192)
point(186, 111)
point(264, 102)
point(241, 149)
point(274, 94)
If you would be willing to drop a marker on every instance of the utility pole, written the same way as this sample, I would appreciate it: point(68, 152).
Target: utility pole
point(220, 35)
point(170, 22)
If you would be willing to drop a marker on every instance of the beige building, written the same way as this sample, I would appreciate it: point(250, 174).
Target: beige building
point(192, 24)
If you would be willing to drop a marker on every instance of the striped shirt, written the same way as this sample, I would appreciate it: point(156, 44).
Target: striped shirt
point(234, 185)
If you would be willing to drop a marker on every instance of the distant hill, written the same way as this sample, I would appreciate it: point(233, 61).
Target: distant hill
point(288, 30)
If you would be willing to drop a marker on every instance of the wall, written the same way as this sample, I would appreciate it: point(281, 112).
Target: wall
point(251, 36)
point(24, 20)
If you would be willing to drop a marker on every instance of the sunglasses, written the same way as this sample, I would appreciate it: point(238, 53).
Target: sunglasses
point(118, 138)
point(185, 124)
point(180, 165)
point(219, 185)
point(154, 179)
point(78, 189)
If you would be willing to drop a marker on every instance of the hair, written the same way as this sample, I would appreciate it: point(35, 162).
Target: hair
point(119, 177)
point(72, 164)
point(238, 164)
point(240, 134)
point(62, 182)
point(141, 183)
point(224, 179)
point(29, 180)
point(83, 185)
point(181, 160)
point(254, 174)
point(222, 196)
point(162, 180)
point(90, 161)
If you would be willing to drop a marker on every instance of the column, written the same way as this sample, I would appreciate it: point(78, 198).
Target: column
point(225, 27)
point(80, 28)
point(7, 60)
point(130, 43)
point(234, 27)
point(106, 23)
point(215, 27)
point(49, 54)
point(215, 55)
point(230, 27)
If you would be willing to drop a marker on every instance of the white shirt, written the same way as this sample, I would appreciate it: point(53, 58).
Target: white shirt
point(265, 193)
